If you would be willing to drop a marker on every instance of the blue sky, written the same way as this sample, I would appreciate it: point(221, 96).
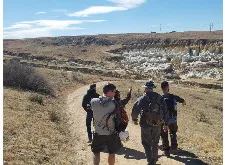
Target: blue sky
point(42, 18)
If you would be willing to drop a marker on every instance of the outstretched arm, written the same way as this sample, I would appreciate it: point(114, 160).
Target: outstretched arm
point(179, 99)
point(127, 99)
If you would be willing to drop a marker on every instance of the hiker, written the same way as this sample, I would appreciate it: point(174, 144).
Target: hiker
point(91, 93)
point(124, 135)
point(153, 112)
point(105, 128)
point(124, 101)
point(171, 102)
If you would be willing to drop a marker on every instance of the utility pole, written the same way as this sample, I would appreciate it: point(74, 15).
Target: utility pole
point(210, 27)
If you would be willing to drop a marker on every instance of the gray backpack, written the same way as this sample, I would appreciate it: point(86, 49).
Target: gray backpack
point(152, 114)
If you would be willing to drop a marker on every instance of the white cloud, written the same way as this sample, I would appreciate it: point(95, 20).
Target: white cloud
point(41, 28)
point(58, 23)
point(121, 5)
point(19, 26)
point(128, 3)
point(97, 10)
point(41, 12)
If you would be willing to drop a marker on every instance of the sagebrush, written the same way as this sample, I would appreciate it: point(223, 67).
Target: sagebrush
point(25, 77)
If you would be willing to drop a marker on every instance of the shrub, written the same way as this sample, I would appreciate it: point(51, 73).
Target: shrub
point(54, 116)
point(24, 77)
point(202, 118)
point(77, 76)
point(36, 98)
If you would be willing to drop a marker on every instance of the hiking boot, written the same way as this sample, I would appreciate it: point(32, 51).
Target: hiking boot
point(89, 141)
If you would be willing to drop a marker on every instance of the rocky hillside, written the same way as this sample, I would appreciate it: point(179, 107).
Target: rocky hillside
point(164, 55)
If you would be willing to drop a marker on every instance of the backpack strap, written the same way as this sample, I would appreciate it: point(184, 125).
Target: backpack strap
point(110, 114)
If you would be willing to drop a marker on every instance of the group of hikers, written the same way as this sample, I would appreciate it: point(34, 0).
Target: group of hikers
point(158, 116)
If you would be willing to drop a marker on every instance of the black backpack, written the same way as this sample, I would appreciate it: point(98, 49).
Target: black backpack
point(152, 115)
point(171, 105)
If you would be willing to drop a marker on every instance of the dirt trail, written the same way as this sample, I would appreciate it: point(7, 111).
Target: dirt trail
point(132, 153)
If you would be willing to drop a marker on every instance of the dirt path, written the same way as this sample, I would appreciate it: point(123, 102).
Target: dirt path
point(132, 153)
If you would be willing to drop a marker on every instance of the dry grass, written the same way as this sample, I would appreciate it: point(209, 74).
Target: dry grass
point(37, 133)
point(200, 121)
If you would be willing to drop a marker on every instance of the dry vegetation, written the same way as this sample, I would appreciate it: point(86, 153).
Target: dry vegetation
point(35, 125)
point(200, 121)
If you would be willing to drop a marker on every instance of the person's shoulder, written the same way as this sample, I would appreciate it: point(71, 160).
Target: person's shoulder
point(94, 100)
point(156, 94)
point(142, 97)
point(85, 95)
point(171, 95)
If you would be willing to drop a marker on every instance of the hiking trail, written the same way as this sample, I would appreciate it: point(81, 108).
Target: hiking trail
point(131, 154)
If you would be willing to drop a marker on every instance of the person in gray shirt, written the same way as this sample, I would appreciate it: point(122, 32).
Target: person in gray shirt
point(105, 135)
point(152, 109)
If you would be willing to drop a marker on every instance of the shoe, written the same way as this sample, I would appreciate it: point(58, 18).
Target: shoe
point(89, 141)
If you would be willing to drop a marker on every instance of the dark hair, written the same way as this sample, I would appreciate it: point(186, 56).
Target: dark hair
point(92, 86)
point(164, 84)
point(117, 94)
point(108, 87)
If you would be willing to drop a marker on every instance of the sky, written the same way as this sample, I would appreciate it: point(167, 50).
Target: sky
point(48, 18)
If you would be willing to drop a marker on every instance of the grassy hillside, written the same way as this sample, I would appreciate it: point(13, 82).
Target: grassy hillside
point(37, 133)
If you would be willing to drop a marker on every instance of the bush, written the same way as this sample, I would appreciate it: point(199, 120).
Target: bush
point(36, 98)
point(77, 76)
point(54, 116)
point(201, 117)
point(24, 77)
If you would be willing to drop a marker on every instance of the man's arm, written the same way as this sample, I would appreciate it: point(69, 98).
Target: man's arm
point(136, 110)
point(127, 99)
point(85, 102)
point(178, 99)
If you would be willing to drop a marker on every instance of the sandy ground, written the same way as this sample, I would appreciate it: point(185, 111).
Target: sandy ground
point(132, 153)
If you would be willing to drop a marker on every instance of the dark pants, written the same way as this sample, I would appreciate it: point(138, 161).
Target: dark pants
point(173, 127)
point(88, 124)
point(150, 138)
point(112, 142)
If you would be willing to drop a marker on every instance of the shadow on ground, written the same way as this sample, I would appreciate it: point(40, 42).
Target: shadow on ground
point(186, 157)
point(131, 153)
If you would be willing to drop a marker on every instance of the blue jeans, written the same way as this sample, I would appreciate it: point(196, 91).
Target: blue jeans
point(88, 123)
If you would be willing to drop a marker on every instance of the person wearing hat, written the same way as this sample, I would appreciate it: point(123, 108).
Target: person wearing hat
point(91, 93)
point(152, 109)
